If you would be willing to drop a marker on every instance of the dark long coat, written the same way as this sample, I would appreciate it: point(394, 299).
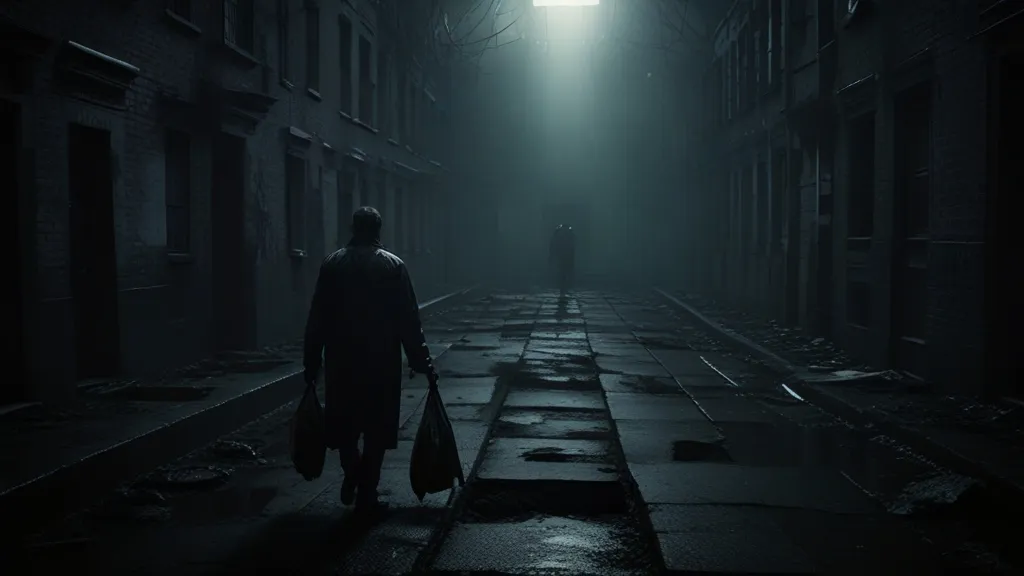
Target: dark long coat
point(364, 310)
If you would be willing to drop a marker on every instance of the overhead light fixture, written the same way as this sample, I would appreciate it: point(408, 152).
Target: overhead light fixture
point(548, 3)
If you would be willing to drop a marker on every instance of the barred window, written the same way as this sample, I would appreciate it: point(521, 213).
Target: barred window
point(239, 24)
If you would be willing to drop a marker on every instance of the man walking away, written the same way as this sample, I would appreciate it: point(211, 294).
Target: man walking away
point(364, 311)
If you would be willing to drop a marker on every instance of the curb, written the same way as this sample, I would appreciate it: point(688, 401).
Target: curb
point(915, 439)
point(32, 505)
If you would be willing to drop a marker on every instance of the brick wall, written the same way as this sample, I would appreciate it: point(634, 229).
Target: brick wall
point(904, 43)
point(165, 303)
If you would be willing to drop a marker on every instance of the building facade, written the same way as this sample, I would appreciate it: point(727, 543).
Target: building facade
point(884, 147)
point(182, 168)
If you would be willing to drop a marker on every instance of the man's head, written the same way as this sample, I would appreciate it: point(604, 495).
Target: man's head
point(366, 225)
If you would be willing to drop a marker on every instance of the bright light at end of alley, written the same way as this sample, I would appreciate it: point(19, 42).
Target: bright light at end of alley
point(566, 2)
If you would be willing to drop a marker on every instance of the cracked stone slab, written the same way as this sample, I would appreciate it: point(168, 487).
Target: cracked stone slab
point(650, 407)
point(630, 384)
point(704, 483)
point(736, 409)
point(507, 459)
point(651, 441)
point(555, 399)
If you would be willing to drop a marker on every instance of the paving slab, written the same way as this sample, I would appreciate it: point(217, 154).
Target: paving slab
point(636, 366)
point(555, 400)
point(555, 424)
point(725, 540)
point(464, 363)
point(473, 390)
point(682, 363)
point(517, 459)
point(536, 546)
point(708, 387)
point(626, 383)
point(550, 335)
point(651, 407)
point(652, 441)
point(736, 409)
point(703, 483)
point(625, 348)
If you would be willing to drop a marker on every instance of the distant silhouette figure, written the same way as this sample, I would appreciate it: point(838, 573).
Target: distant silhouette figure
point(562, 255)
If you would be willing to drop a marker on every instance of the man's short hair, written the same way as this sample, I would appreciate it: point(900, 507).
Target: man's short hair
point(366, 223)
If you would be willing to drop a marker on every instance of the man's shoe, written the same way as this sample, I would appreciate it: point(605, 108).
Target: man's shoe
point(348, 490)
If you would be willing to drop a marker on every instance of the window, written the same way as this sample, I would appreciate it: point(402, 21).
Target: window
point(181, 8)
point(915, 146)
point(345, 63)
point(403, 113)
point(283, 38)
point(239, 24)
point(313, 48)
point(178, 190)
point(295, 190)
point(778, 194)
point(742, 80)
point(763, 199)
point(384, 110)
point(861, 154)
point(775, 43)
point(367, 89)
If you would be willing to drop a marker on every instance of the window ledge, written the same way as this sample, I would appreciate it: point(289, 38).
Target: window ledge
point(314, 94)
point(345, 115)
point(286, 84)
point(242, 55)
point(297, 253)
point(392, 141)
point(365, 126)
point(184, 23)
point(179, 258)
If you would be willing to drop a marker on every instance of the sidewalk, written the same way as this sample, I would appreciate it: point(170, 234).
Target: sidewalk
point(122, 430)
point(978, 439)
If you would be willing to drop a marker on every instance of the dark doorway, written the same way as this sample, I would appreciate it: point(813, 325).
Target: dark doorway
point(911, 215)
point(10, 121)
point(232, 286)
point(1002, 275)
point(93, 257)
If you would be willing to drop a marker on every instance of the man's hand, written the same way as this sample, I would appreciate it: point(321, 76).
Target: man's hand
point(310, 377)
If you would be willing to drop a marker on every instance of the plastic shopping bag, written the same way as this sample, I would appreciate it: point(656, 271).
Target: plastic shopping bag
point(435, 456)
point(308, 443)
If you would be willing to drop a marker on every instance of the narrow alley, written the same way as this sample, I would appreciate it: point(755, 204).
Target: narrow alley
point(600, 434)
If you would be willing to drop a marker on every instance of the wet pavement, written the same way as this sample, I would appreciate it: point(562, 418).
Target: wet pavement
point(599, 434)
